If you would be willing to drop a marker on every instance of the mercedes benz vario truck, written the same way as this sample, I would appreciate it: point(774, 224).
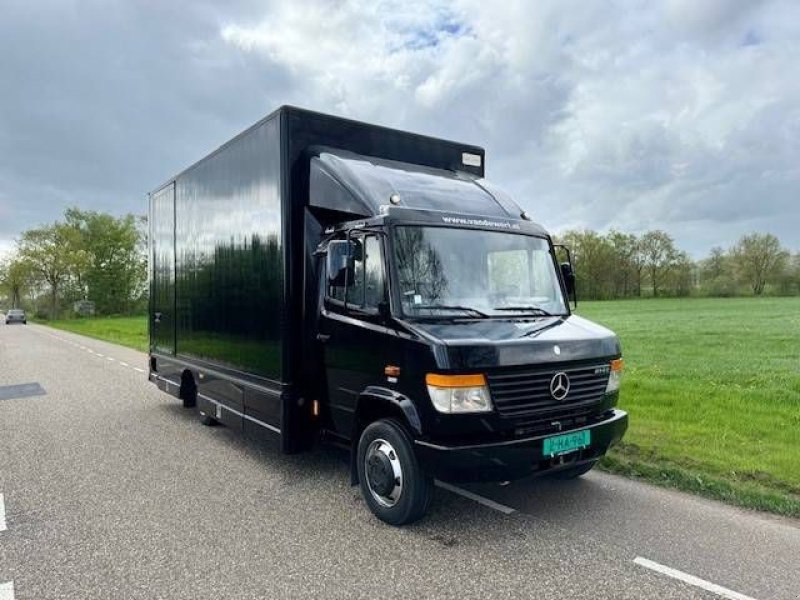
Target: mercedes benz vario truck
point(321, 278)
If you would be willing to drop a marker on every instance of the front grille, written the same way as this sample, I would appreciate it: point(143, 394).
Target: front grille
point(525, 391)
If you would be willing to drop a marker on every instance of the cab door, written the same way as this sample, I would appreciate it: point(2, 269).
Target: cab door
point(356, 340)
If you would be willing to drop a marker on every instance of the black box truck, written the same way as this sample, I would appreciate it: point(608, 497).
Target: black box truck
point(321, 278)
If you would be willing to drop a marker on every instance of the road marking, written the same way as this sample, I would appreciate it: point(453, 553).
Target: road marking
point(124, 364)
point(506, 510)
point(109, 358)
point(2, 514)
point(100, 355)
point(691, 579)
point(7, 590)
point(138, 369)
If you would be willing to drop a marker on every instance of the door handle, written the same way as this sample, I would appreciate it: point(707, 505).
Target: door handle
point(323, 337)
point(157, 317)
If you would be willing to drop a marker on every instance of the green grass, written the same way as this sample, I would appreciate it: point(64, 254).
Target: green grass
point(712, 387)
point(713, 391)
point(126, 331)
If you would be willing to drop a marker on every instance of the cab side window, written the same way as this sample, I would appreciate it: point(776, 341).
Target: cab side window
point(367, 286)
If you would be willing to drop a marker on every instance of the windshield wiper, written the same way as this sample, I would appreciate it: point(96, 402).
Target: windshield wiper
point(474, 311)
point(533, 309)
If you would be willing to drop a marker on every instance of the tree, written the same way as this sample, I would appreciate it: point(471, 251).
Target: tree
point(638, 263)
point(53, 252)
point(624, 246)
point(659, 253)
point(116, 265)
point(15, 277)
point(594, 262)
point(758, 259)
point(682, 274)
point(716, 273)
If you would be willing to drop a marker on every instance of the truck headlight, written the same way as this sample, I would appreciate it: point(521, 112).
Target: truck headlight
point(459, 393)
point(614, 375)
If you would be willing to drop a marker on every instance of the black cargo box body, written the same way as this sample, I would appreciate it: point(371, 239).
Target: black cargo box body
point(231, 241)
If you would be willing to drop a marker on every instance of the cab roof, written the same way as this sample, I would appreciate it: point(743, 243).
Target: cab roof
point(361, 185)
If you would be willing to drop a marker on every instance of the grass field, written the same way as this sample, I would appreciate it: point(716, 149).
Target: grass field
point(126, 331)
point(713, 391)
point(712, 387)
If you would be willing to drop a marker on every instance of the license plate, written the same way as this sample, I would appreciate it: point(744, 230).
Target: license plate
point(568, 442)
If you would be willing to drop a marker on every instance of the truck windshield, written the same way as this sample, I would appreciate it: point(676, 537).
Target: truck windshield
point(445, 272)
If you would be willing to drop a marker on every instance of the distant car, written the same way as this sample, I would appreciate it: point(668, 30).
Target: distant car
point(16, 315)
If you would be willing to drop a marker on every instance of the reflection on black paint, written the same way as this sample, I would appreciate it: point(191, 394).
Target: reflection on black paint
point(229, 256)
point(162, 263)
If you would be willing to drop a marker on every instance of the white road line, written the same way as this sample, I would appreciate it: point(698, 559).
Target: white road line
point(124, 364)
point(109, 358)
point(2, 514)
point(691, 580)
point(90, 351)
point(138, 369)
point(7, 590)
point(506, 510)
point(100, 355)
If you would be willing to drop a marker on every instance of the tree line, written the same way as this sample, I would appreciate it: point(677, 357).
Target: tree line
point(87, 256)
point(624, 265)
point(96, 257)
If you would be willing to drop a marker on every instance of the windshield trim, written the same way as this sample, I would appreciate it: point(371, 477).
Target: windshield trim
point(394, 277)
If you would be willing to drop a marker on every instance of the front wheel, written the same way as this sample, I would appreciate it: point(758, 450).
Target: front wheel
point(394, 485)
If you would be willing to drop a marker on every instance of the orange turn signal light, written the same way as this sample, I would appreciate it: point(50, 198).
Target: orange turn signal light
point(617, 364)
point(455, 381)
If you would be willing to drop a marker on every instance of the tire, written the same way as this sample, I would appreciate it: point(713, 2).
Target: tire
point(574, 472)
point(188, 392)
point(383, 448)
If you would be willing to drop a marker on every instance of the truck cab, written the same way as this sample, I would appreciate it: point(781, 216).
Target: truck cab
point(447, 345)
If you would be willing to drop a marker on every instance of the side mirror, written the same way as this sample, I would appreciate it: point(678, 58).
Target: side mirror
point(569, 278)
point(340, 262)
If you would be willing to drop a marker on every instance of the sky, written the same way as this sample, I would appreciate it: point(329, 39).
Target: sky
point(681, 115)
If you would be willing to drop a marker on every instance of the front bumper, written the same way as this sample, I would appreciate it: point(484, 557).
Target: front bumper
point(514, 459)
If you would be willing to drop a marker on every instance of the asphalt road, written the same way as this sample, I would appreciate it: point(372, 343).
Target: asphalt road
point(109, 489)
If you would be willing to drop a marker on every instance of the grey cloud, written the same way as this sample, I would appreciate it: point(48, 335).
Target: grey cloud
point(681, 115)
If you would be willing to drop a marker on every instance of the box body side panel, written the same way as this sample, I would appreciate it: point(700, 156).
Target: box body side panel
point(229, 256)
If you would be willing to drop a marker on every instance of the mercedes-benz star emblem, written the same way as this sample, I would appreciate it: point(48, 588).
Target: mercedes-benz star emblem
point(559, 386)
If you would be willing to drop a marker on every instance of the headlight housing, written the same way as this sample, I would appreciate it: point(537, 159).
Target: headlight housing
point(459, 394)
point(614, 375)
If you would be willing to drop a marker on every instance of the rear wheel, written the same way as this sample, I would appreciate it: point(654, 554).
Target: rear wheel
point(394, 485)
point(574, 472)
point(188, 390)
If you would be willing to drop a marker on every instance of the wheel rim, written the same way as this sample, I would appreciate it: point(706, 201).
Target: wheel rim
point(383, 473)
